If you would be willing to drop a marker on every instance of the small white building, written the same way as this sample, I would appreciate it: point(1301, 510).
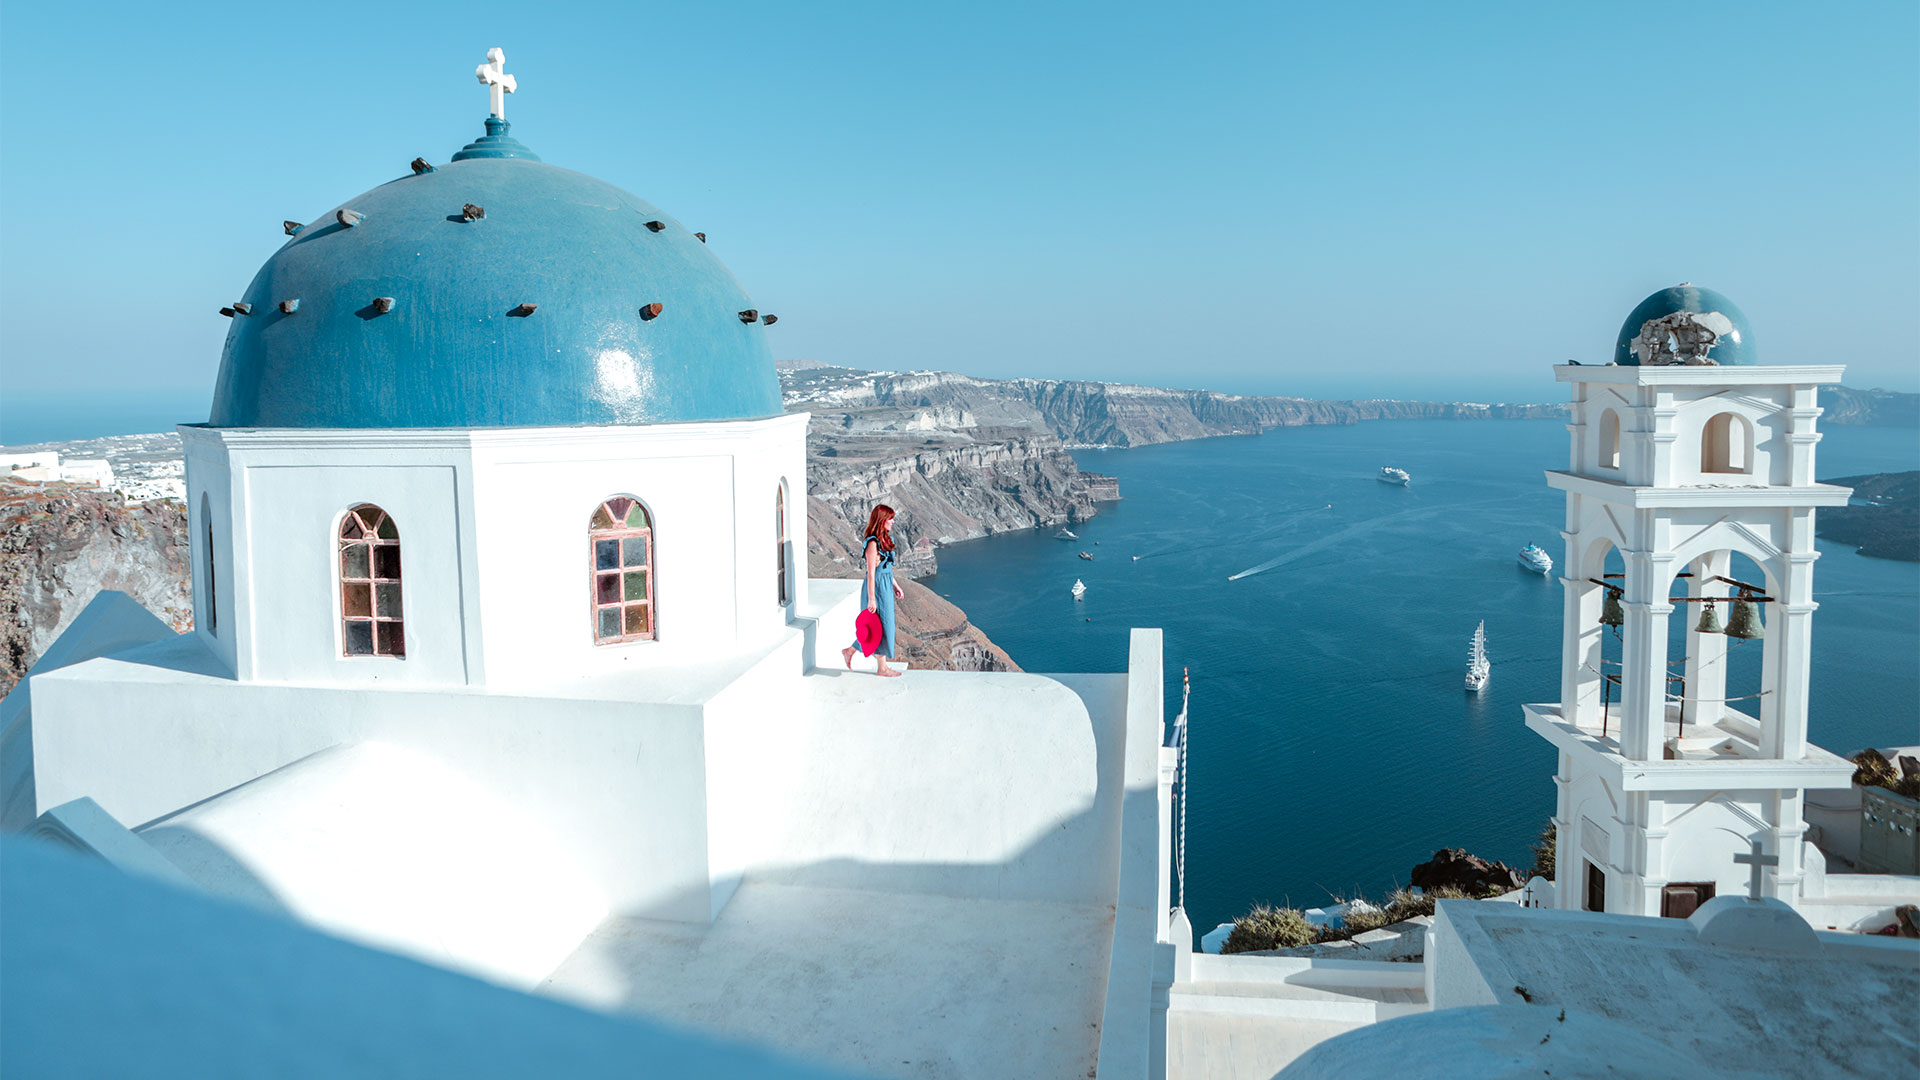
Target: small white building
point(45, 466)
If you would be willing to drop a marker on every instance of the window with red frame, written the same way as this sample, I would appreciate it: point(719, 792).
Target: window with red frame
point(370, 613)
point(620, 554)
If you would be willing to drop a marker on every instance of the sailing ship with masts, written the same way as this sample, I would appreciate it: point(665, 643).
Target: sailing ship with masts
point(1477, 666)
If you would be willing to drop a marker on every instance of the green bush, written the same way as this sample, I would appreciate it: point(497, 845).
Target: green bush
point(1268, 928)
point(1543, 851)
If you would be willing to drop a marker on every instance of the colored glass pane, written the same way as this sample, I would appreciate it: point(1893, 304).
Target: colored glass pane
point(392, 639)
point(619, 505)
point(636, 585)
point(386, 561)
point(609, 622)
point(636, 550)
point(388, 598)
point(637, 517)
point(353, 561)
point(607, 589)
point(602, 519)
point(606, 554)
point(637, 619)
point(359, 638)
point(356, 599)
point(387, 529)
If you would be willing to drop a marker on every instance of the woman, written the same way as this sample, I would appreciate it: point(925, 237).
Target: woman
point(878, 592)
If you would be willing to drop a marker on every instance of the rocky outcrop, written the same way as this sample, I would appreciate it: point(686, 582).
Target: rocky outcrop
point(63, 544)
point(943, 491)
point(1471, 874)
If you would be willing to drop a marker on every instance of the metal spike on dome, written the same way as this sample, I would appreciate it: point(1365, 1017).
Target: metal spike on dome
point(1709, 621)
point(656, 226)
point(1611, 613)
point(288, 307)
point(523, 310)
point(652, 311)
point(227, 311)
point(749, 315)
point(292, 227)
point(472, 212)
point(242, 309)
point(769, 320)
point(701, 236)
point(1744, 622)
point(383, 304)
point(349, 218)
point(420, 166)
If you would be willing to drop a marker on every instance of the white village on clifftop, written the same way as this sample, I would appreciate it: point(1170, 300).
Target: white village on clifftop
point(499, 747)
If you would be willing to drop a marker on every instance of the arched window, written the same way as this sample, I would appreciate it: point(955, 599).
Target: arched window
point(206, 568)
point(370, 612)
point(1610, 439)
point(1726, 445)
point(620, 543)
point(780, 536)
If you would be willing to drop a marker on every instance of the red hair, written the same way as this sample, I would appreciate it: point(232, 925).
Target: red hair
point(880, 516)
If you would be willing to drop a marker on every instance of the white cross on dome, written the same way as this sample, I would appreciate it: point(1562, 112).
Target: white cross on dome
point(493, 75)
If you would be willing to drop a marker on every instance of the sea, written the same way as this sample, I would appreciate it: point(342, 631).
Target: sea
point(1324, 618)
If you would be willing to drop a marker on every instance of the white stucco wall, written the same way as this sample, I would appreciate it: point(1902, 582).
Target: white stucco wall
point(494, 545)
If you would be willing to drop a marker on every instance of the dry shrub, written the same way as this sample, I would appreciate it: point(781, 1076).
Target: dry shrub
point(1268, 928)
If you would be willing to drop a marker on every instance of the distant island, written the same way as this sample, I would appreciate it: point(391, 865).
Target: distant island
point(1886, 524)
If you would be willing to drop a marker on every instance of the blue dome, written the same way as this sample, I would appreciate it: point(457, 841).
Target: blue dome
point(1689, 325)
point(456, 347)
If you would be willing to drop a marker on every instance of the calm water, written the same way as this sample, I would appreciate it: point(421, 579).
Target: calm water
point(1332, 745)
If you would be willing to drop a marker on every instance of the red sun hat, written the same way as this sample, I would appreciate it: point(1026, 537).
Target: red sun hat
point(868, 630)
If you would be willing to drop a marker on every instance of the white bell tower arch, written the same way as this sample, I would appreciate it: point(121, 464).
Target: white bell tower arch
point(1677, 464)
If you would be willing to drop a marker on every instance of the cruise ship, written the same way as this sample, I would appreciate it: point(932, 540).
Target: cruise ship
point(1535, 559)
point(1391, 475)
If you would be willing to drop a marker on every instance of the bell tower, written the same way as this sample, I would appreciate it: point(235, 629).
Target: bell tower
point(1685, 450)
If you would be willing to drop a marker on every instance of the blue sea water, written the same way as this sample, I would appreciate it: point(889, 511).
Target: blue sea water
point(1332, 745)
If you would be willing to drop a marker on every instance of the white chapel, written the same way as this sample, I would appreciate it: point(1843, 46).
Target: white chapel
point(505, 660)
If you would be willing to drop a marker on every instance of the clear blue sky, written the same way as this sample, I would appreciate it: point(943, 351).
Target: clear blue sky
point(1336, 200)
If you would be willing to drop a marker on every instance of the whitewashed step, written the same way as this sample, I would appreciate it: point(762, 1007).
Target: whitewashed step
point(1291, 1001)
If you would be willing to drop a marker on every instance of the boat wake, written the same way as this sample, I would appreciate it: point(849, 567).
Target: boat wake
point(1329, 540)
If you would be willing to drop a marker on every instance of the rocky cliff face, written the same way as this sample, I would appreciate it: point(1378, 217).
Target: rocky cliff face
point(943, 491)
point(1095, 414)
point(63, 543)
point(1871, 408)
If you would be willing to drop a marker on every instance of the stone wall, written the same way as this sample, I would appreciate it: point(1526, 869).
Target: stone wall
point(64, 543)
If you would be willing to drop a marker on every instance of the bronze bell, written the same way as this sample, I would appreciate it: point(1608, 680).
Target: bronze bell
point(1744, 621)
point(1709, 621)
point(1611, 613)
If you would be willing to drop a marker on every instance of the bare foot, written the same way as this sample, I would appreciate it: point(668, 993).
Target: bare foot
point(847, 655)
point(890, 673)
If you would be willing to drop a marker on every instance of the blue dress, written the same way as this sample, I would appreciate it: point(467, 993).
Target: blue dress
point(883, 582)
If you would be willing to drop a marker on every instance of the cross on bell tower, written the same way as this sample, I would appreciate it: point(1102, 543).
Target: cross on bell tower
point(1686, 451)
point(493, 75)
